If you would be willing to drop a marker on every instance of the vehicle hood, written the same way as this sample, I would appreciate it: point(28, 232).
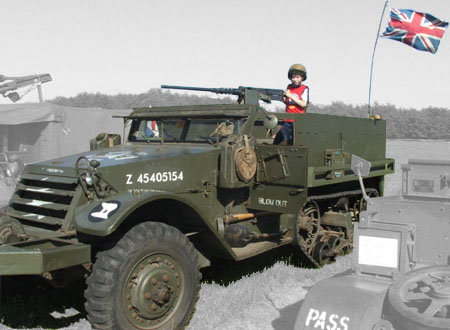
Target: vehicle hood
point(118, 156)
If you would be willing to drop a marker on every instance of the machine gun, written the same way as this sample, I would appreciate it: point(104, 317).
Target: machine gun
point(246, 95)
point(13, 83)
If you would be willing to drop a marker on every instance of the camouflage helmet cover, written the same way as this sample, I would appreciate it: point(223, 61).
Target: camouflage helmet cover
point(297, 68)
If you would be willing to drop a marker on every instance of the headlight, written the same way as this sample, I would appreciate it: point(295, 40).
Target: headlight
point(89, 180)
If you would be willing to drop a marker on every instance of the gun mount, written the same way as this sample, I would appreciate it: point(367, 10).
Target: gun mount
point(8, 88)
point(246, 95)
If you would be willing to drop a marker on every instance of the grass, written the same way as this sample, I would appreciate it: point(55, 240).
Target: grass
point(258, 300)
point(226, 272)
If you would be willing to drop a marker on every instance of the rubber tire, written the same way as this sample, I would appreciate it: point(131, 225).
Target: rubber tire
point(105, 284)
point(407, 318)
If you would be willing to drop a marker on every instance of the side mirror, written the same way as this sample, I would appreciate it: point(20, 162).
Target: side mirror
point(270, 122)
point(361, 167)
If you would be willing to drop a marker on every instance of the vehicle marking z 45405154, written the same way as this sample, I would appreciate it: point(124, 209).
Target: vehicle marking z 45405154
point(169, 176)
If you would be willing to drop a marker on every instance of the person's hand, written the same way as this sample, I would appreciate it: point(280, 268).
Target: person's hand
point(288, 93)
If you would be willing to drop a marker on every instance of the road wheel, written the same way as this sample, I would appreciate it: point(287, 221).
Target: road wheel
point(149, 280)
point(421, 299)
point(307, 230)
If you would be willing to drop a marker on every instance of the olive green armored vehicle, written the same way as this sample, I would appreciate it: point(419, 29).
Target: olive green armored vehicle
point(189, 184)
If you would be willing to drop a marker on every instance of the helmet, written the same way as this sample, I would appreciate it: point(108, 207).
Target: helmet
point(297, 68)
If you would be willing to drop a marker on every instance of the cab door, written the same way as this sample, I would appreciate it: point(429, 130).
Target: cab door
point(281, 179)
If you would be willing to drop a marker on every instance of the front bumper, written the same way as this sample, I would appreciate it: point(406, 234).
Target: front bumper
point(36, 257)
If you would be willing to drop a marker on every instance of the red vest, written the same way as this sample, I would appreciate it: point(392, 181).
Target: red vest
point(291, 106)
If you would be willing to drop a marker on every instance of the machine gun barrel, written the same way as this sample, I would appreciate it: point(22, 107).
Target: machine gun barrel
point(232, 91)
point(248, 95)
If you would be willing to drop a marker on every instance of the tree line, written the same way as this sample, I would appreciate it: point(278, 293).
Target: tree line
point(429, 123)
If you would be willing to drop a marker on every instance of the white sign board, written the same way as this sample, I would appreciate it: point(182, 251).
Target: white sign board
point(378, 251)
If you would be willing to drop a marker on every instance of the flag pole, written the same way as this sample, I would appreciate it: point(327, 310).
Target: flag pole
point(373, 55)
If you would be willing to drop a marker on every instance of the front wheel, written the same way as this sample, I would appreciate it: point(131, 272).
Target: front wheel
point(149, 280)
point(421, 299)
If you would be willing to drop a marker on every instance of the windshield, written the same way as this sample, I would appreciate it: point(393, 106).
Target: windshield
point(183, 130)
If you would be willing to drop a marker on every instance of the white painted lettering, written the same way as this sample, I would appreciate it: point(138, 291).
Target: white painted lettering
point(156, 177)
point(321, 321)
point(313, 314)
point(129, 176)
point(333, 322)
point(344, 322)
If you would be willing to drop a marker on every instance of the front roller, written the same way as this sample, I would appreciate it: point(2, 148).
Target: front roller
point(344, 303)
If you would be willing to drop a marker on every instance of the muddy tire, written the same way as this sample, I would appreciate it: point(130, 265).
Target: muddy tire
point(150, 279)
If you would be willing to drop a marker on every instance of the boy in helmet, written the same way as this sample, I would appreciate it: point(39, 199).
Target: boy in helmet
point(296, 98)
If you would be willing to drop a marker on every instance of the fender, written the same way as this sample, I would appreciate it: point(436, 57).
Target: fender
point(343, 303)
point(102, 217)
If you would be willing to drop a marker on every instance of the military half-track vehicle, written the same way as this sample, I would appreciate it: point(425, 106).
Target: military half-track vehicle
point(400, 279)
point(188, 185)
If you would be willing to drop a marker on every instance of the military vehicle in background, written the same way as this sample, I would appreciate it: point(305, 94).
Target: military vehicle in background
point(188, 185)
point(10, 85)
point(400, 277)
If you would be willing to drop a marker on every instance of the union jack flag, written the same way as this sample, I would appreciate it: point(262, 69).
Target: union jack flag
point(419, 30)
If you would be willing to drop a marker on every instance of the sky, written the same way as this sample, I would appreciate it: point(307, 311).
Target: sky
point(115, 46)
